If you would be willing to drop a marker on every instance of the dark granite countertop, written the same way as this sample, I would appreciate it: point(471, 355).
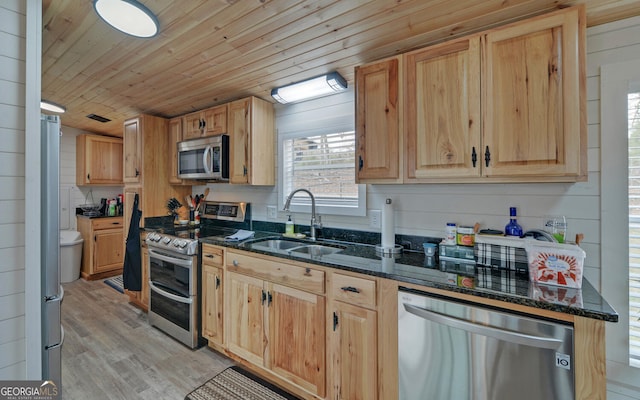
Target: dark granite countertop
point(460, 277)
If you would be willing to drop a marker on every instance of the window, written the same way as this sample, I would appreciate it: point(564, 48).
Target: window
point(619, 216)
point(316, 151)
point(633, 101)
point(325, 165)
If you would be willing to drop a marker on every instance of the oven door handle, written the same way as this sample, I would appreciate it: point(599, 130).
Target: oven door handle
point(180, 299)
point(173, 260)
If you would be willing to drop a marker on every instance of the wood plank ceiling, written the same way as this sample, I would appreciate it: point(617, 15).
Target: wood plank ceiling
point(212, 51)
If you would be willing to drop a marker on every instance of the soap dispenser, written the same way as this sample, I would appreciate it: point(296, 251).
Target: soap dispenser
point(289, 227)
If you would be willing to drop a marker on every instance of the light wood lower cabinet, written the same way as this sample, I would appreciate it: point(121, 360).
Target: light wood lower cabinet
point(278, 323)
point(353, 346)
point(274, 326)
point(212, 295)
point(353, 338)
point(102, 251)
point(141, 298)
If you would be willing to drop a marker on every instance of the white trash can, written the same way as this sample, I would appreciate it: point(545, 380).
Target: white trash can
point(70, 255)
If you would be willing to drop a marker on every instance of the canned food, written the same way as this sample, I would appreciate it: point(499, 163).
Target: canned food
point(465, 236)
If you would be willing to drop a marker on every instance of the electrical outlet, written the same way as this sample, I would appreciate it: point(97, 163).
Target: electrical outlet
point(374, 218)
point(272, 212)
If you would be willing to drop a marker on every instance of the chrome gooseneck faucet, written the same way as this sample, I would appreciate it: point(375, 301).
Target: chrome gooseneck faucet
point(315, 224)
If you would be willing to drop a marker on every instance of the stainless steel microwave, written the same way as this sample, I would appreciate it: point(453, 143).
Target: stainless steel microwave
point(204, 158)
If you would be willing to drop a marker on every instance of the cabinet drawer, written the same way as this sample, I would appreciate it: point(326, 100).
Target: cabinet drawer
point(212, 255)
point(304, 278)
point(350, 289)
point(106, 223)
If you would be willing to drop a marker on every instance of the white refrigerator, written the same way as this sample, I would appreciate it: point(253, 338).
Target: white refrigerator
point(52, 292)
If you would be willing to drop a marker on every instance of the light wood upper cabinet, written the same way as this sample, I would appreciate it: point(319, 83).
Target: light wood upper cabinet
point(442, 110)
point(534, 108)
point(504, 105)
point(251, 142)
point(175, 136)
point(132, 159)
point(209, 122)
point(98, 160)
point(378, 130)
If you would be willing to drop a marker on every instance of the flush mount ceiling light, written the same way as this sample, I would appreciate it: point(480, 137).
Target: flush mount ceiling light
point(319, 86)
point(128, 16)
point(51, 106)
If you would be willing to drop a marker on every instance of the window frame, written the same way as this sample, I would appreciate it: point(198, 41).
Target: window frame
point(615, 83)
point(304, 205)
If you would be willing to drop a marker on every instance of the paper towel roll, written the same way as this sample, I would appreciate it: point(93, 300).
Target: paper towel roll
point(388, 227)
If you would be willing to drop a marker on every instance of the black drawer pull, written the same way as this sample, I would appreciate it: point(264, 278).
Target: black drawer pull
point(350, 289)
point(209, 256)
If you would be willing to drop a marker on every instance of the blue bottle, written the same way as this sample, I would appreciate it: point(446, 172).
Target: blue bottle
point(512, 228)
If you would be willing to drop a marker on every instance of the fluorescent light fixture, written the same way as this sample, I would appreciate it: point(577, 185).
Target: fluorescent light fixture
point(128, 16)
point(51, 106)
point(319, 86)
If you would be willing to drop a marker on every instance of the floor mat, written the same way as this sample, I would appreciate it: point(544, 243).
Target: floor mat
point(116, 283)
point(236, 384)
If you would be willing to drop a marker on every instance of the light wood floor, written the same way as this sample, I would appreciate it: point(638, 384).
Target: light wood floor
point(111, 352)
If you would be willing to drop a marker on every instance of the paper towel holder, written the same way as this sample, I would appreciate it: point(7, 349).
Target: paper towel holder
point(396, 249)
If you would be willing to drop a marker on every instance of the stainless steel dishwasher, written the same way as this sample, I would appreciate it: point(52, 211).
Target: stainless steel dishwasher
point(450, 350)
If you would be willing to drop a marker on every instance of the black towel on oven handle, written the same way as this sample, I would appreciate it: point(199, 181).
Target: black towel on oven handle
point(132, 269)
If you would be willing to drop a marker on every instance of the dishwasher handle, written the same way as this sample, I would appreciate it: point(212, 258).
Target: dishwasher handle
point(501, 334)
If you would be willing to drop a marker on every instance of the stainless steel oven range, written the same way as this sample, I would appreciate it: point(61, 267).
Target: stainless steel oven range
point(174, 298)
point(173, 286)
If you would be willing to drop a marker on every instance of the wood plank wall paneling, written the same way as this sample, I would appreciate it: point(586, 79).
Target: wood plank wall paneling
point(12, 182)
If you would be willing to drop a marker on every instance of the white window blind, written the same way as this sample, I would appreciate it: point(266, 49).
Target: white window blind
point(634, 227)
point(316, 151)
point(323, 164)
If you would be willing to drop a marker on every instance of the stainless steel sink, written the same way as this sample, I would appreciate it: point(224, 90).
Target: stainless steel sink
point(277, 244)
point(295, 247)
point(315, 250)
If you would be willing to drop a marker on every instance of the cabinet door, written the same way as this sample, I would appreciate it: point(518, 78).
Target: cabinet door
point(215, 120)
point(192, 125)
point(239, 128)
point(132, 148)
point(378, 121)
point(297, 337)
point(144, 292)
point(354, 353)
point(98, 160)
point(175, 136)
point(212, 309)
point(442, 118)
point(129, 195)
point(245, 323)
point(534, 99)
point(108, 250)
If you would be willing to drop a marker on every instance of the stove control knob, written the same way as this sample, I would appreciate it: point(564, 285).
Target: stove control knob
point(176, 242)
point(166, 240)
point(183, 244)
